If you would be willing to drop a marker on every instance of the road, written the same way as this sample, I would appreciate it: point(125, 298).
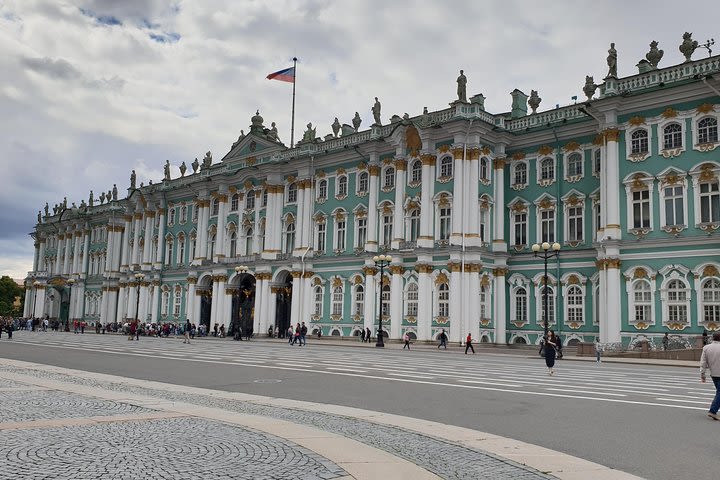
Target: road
point(646, 420)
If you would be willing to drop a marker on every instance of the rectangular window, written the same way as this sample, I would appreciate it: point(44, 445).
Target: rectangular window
point(520, 223)
point(387, 230)
point(674, 199)
point(547, 225)
point(321, 233)
point(575, 224)
point(341, 235)
point(641, 209)
point(361, 232)
point(445, 223)
point(709, 202)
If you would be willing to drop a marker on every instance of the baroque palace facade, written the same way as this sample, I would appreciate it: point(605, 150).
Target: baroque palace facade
point(627, 183)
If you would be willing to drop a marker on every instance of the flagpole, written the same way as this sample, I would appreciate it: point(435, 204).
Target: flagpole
point(292, 124)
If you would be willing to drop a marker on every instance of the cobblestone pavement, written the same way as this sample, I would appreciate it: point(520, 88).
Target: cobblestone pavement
point(443, 458)
point(182, 448)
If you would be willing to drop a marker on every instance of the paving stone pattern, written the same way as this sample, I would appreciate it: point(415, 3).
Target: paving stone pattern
point(445, 459)
point(182, 449)
point(23, 406)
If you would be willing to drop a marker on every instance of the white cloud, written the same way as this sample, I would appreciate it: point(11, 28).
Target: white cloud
point(90, 92)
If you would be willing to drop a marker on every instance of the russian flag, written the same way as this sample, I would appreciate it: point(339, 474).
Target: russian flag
point(286, 75)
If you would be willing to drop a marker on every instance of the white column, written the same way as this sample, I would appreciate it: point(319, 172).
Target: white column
point(300, 219)
point(499, 306)
point(79, 301)
point(613, 309)
point(427, 237)
point(160, 254)
point(41, 255)
point(396, 301)
point(226, 311)
point(499, 243)
point(399, 212)
point(189, 299)
point(216, 312)
point(58, 254)
point(196, 304)
point(260, 322)
point(257, 238)
point(110, 247)
point(27, 306)
point(144, 301)
point(137, 225)
point(602, 301)
point(86, 253)
point(132, 303)
point(472, 225)
point(458, 328)
point(611, 202)
point(76, 253)
point(458, 202)
point(271, 303)
point(472, 296)
point(371, 294)
point(36, 256)
point(202, 234)
point(68, 250)
point(425, 301)
point(125, 257)
point(149, 224)
point(221, 230)
point(122, 304)
point(40, 291)
point(295, 299)
point(371, 244)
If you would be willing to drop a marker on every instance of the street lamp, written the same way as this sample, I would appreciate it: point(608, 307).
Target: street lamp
point(381, 261)
point(138, 278)
point(36, 284)
point(545, 251)
point(237, 334)
point(70, 282)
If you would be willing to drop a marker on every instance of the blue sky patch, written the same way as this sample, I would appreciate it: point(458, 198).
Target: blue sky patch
point(165, 37)
point(101, 19)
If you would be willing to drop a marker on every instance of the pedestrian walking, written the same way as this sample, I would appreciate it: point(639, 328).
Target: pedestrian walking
point(665, 341)
point(468, 343)
point(9, 329)
point(443, 339)
point(290, 334)
point(598, 351)
point(406, 338)
point(187, 331)
point(367, 334)
point(362, 335)
point(551, 343)
point(222, 331)
point(710, 359)
point(303, 334)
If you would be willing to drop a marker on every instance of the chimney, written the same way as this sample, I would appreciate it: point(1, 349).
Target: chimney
point(519, 104)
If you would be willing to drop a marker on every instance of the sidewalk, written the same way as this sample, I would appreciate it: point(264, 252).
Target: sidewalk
point(68, 424)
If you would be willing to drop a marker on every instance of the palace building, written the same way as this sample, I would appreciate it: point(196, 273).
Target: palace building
point(627, 182)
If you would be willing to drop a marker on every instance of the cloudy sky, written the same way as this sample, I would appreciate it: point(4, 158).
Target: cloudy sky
point(93, 89)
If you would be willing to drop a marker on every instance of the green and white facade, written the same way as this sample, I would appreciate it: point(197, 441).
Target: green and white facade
point(627, 183)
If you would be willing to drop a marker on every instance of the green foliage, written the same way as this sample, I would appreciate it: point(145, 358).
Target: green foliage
point(9, 290)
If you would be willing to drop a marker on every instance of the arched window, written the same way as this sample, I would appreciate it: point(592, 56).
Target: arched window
point(292, 193)
point(446, 167)
point(389, 178)
point(707, 130)
point(165, 302)
point(444, 219)
point(443, 300)
point(249, 246)
point(169, 251)
point(387, 228)
point(575, 165)
point(234, 202)
point(484, 302)
point(385, 306)
point(233, 244)
point(290, 237)
point(520, 174)
point(264, 197)
point(413, 224)
point(711, 300)
point(318, 301)
point(250, 200)
point(340, 233)
point(177, 301)
point(342, 186)
point(337, 301)
point(416, 172)
point(181, 249)
point(547, 169)
point(677, 302)
point(642, 297)
point(321, 236)
point(672, 136)
point(362, 180)
point(215, 206)
point(322, 190)
point(211, 244)
point(411, 299)
point(359, 299)
point(171, 216)
point(183, 214)
point(639, 142)
point(485, 169)
point(550, 305)
point(575, 305)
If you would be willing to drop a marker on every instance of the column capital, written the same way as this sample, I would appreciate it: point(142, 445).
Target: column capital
point(611, 134)
point(396, 269)
point(500, 271)
point(423, 268)
point(428, 159)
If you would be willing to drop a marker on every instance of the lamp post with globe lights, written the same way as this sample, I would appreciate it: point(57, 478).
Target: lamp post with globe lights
point(36, 284)
point(139, 277)
point(381, 261)
point(236, 328)
point(546, 251)
point(71, 283)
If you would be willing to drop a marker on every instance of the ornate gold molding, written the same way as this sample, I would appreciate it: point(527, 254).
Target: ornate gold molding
point(611, 134)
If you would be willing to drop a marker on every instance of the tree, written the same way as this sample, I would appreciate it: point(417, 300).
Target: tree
point(9, 291)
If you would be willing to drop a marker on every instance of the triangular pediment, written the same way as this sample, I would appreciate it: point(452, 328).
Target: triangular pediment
point(252, 145)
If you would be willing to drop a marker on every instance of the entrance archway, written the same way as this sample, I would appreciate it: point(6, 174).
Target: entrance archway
point(242, 314)
point(283, 299)
point(204, 290)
